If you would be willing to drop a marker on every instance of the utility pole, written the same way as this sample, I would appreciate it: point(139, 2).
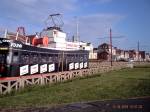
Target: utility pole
point(138, 45)
point(110, 37)
point(111, 47)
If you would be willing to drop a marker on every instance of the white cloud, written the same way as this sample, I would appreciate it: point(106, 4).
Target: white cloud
point(98, 1)
point(32, 13)
point(92, 27)
point(103, 1)
point(26, 1)
point(39, 8)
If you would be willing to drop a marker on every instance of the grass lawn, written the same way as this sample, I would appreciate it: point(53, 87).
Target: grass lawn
point(125, 83)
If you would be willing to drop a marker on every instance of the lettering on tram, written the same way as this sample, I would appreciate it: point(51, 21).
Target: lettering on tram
point(16, 45)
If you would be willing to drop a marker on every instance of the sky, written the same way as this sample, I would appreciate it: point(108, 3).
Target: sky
point(129, 19)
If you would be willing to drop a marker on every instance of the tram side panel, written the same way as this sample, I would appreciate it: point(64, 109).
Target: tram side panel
point(29, 63)
point(39, 63)
point(51, 63)
point(85, 61)
point(77, 61)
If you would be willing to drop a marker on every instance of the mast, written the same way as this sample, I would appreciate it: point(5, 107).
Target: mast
point(77, 29)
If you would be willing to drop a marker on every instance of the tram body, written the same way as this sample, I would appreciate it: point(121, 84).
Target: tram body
point(17, 59)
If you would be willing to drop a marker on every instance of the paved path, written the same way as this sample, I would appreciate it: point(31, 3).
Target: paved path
point(129, 105)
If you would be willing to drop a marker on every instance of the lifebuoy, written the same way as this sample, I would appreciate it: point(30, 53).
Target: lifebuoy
point(37, 41)
point(45, 41)
point(34, 41)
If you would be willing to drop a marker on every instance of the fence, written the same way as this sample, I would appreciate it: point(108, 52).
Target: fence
point(16, 83)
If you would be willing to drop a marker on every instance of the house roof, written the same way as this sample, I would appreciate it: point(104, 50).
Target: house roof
point(95, 48)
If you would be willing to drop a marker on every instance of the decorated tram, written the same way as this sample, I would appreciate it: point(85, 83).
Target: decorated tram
point(18, 59)
point(41, 53)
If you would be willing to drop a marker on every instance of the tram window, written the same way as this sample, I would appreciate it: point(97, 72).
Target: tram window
point(81, 58)
point(8, 58)
point(43, 58)
point(76, 57)
point(2, 58)
point(65, 56)
point(25, 58)
point(34, 58)
point(55, 57)
point(72, 58)
point(15, 57)
point(85, 57)
point(50, 58)
point(68, 57)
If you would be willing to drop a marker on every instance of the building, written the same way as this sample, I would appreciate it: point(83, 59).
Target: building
point(147, 57)
point(93, 54)
point(137, 56)
point(142, 55)
point(122, 55)
point(89, 47)
point(104, 53)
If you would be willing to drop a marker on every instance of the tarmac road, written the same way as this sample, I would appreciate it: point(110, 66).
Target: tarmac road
point(128, 105)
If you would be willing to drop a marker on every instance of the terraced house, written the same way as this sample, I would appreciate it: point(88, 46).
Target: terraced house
point(104, 53)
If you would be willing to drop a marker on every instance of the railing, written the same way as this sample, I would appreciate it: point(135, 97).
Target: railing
point(4, 33)
point(16, 83)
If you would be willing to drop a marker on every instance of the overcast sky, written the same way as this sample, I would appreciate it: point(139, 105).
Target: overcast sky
point(127, 18)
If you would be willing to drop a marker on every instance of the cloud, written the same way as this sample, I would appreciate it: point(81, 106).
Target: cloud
point(26, 1)
point(50, 5)
point(33, 13)
point(35, 10)
point(92, 27)
point(103, 1)
point(98, 1)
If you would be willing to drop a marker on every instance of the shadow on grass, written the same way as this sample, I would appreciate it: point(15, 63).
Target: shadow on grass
point(142, 66)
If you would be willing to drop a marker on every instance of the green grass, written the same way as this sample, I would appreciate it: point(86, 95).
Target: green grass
point(125, 83)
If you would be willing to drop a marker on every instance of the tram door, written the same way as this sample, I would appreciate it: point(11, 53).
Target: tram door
point(14, 67)
point(3, 63)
